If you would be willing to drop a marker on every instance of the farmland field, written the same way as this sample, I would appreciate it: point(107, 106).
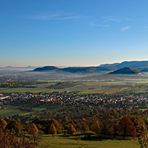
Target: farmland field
point(87, 84)
point(61, 142)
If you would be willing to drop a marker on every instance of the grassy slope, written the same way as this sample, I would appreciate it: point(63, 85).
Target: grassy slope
point(11, 111)
point(60, 142)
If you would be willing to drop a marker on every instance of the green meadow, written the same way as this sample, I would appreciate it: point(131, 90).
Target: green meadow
point(11, 111)
point(72, 142)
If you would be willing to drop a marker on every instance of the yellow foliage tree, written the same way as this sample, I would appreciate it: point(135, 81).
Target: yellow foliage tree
point(52, 129)
point(95, 125)
point(71, 129)
point(33, 130)
point(3, 124)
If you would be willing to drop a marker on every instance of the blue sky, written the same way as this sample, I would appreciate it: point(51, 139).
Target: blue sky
point(72, 32)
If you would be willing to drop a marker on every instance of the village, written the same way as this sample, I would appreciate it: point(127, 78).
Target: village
point(74, 99)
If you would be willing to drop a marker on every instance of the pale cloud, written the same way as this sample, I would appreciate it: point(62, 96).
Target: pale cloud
point(108, 19)
point(125, 28)
point(54, 16)
point(115, 19)
point(99, 25)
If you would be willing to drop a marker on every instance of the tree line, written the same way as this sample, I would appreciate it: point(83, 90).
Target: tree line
point(87, 127)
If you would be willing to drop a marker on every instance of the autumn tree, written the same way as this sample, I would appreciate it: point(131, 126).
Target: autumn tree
point(126, 127)
point(95, 125)
point(33, 130)
point(52, 129)
point(65, 120)
point(9, 139)
point(139, 125)
point(143, 139)
point(57, 125)
point(109, 125)
point(15, 126)
point(3, 124)
point(84, 125)
point(109, 129)
point(71, 129)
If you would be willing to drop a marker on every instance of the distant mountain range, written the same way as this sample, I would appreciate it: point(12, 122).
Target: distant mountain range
point(126, 67)
point(72, 69)
point(136, 66)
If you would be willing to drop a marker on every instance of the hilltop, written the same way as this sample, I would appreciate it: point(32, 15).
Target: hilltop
point(46, 68)
point(124, 70)
point(137, 65)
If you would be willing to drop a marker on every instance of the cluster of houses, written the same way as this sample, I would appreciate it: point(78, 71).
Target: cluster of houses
point(3, 98)
point(75, 99)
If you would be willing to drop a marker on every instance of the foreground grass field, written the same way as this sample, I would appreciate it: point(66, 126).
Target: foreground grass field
point(65, 142)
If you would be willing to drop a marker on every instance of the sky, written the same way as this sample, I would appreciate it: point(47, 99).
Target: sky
point(72, 32)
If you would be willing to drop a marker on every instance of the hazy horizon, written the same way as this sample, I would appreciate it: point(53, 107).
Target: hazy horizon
point(72, 33)
point(5, 66)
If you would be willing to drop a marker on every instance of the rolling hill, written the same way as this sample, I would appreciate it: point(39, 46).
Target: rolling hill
point(46, 68)
point(138, 65)
point(72, 69)
point(124, 70)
